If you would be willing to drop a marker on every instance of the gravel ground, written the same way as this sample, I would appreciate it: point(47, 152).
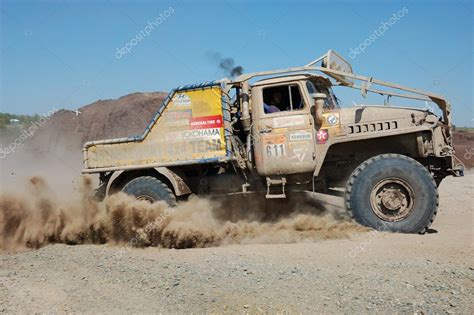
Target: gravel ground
point(370, 272)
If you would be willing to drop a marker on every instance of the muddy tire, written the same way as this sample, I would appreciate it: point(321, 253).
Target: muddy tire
point(392, 192)
point(151, 189)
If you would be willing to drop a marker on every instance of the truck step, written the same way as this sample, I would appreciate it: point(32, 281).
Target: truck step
point(276, 182)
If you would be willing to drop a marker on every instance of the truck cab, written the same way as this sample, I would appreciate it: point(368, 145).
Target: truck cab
point(284, 137)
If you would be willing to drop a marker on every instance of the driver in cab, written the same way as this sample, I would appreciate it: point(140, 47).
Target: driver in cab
point(275, 102)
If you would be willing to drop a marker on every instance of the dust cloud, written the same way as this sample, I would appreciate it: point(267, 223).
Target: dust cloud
point(37, 217)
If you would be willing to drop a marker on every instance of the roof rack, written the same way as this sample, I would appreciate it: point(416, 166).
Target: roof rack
point(335, 66)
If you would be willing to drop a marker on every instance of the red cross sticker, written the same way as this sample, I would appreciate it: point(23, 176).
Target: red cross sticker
point(322, 136)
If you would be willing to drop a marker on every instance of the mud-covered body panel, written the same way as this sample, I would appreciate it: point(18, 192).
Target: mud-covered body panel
point(189, 129)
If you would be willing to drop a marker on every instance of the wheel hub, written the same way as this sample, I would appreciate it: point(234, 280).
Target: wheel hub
point(146, 198)
point(392, 199)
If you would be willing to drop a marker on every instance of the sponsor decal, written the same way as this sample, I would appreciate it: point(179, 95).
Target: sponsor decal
point(300, 135)
point(213, 133)
point(181, 99)
point(194, 147)
point(275, 139)
point(204, 146)
point(184, 114)
point(299, 144)
point(206, 122)
point(280, 122)
point(178, 123)
point(322, 136)
point(300, 154)
point(175, 120)
point(332, 120)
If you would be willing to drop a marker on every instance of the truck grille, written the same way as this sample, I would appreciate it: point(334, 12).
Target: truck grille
point(379, 126)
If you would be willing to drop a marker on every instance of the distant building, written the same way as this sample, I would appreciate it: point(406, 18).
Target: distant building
point(14, 121)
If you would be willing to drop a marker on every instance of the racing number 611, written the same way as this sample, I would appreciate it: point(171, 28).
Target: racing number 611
point(275, 150)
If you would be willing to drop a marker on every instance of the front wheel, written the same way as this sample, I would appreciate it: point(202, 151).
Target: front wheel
point(392, 192)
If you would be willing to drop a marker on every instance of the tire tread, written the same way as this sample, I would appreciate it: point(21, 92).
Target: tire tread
point(356, 173)
point(149, 181)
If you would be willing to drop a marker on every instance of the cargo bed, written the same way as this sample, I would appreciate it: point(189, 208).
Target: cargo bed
point(191, 127)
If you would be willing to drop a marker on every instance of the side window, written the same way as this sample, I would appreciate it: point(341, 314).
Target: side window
point(282, 98)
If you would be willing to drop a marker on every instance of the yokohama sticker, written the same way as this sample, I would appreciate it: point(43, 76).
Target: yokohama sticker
point(206, 122)
point(214, 133)
point(195, 134)
point(322, 136)
point(279, 122)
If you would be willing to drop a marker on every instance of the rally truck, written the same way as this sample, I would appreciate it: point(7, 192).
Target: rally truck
point(275, 133)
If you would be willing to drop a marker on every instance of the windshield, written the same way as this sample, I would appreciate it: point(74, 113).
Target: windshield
point(330, 102)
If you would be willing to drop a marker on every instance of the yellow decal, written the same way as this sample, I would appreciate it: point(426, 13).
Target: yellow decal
point(191, 127)
point(331, 119)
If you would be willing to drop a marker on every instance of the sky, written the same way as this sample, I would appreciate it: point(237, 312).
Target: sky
point(66, 54)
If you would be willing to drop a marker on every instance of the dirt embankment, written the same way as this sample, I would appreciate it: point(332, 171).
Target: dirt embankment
point(66, 131)
point(464, 146)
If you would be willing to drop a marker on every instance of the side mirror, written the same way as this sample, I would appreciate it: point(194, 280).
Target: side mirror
point(317, 108)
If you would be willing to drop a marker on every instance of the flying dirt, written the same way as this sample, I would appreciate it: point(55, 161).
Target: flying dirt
point(39, 218)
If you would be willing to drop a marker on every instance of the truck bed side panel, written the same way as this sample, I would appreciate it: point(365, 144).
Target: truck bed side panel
point(189, 127)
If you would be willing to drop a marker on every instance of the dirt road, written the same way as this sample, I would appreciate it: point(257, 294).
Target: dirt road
point(370, 272)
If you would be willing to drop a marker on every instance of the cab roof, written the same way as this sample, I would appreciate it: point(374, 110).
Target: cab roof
point(287, 78)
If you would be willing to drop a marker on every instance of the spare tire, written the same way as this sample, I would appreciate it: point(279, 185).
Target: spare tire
point(392, 192)
point(151, 189)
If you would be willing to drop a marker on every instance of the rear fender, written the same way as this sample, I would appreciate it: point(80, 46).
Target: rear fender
point(179, 186)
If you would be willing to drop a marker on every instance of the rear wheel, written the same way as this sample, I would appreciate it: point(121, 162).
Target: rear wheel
point(150, 189)
point(392, 192)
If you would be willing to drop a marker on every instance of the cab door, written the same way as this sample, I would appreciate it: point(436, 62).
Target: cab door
point(283, 130)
